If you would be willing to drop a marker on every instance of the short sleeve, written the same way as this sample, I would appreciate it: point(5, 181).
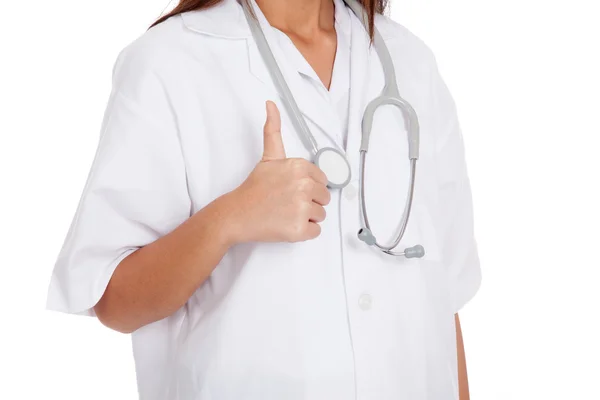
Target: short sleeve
point(459, 246)
point(136, 189)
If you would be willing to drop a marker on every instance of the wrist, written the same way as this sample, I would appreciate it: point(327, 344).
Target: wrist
point(229, 226)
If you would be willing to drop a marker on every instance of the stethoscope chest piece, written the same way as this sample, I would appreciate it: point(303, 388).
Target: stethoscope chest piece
point(335, 166)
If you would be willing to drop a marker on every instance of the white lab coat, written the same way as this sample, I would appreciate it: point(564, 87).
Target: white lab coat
point(324, 319)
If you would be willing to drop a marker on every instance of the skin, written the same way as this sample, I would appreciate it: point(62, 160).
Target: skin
point(310, 24)
point(281, 201)
point(463, 380)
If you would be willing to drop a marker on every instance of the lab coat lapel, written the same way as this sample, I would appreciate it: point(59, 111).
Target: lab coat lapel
point(366, 83)
point(315, 107)
point(310, 101)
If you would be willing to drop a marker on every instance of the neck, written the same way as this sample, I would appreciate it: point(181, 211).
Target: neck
point(301, 17)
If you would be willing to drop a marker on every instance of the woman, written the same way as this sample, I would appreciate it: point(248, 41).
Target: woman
point(206, 232)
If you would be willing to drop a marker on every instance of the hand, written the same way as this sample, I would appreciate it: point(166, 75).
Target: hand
point(282, 199)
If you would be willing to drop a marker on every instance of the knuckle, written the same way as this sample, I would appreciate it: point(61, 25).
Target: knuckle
point(296, 163)
point(323, 177)
point(303, 206)
point(319, 174)
point(327, 197)
point(297, 230)
point(305, 184)
point(298, 166)
point(299, 198)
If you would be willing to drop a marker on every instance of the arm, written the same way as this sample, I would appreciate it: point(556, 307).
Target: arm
point(463, 382)
point(281, 201)
point(156, 280)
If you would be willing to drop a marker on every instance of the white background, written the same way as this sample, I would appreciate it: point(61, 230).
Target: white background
point(525, 77)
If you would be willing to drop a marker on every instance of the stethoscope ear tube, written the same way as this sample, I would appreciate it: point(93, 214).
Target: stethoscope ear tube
point(277, 76)
point(335, 166)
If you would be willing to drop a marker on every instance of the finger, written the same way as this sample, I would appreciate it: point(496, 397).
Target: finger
point(313, 230)
point(273, 144)
point(317, 213)
point(320, 194)
point(317, 174)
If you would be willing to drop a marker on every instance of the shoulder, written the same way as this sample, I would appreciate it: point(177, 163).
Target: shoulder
point(146, 74)
point(415, 58)
point(153, 54)
point(420, 72)
point(167, 43)
point(399, 38)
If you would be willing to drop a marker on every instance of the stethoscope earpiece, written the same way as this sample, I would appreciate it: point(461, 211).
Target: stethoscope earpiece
point(366, 236)
point(414, 252)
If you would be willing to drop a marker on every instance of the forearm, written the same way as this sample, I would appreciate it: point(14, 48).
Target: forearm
point(463, 382)
point(282, 200)
point(156, 280)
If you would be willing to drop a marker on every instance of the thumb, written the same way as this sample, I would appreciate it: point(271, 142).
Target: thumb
point(273, 147)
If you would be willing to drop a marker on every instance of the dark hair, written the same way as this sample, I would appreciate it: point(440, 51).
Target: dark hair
point(371, 6)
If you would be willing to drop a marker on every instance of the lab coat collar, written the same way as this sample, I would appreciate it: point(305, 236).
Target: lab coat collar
point(226, 20)
point(342, 15)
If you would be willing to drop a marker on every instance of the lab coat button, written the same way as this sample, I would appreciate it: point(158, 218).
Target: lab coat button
point(365, 301)
point(350, 191)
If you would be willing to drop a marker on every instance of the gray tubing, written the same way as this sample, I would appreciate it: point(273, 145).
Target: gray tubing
point(366, 231)
point(286, 94)
point(409, 114)
point(391, 88)
point(390, 94)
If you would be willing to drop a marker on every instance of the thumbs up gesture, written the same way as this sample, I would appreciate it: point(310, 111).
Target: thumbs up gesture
point(282, 199)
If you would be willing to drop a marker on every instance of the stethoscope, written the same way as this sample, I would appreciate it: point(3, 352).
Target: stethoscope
point(331, 160)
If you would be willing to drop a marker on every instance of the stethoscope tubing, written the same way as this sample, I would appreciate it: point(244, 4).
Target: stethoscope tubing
point(405, 215)
point(389, 96)
point(288, 99)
